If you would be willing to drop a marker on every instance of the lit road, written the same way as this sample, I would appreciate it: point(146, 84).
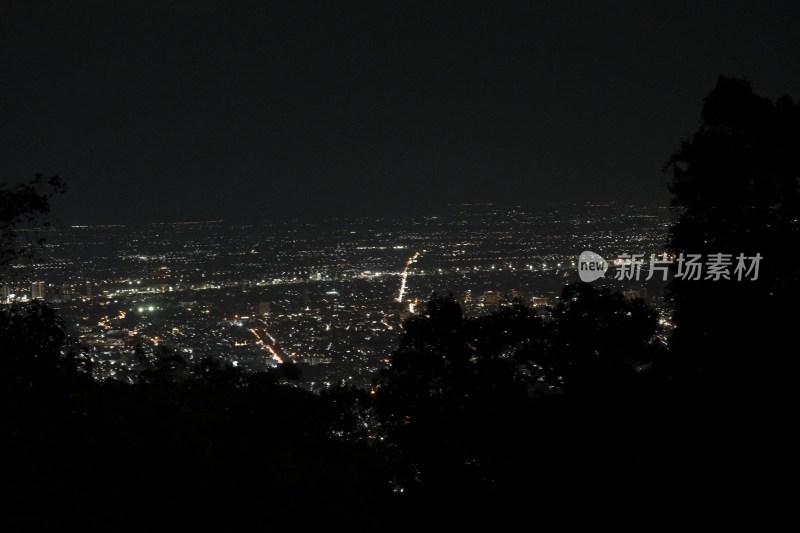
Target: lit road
point(268, 347)
point(404, 276)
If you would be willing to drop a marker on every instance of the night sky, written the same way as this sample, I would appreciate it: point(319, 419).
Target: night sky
point(252, 110)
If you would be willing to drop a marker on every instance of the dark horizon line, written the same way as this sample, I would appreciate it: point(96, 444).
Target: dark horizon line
point(311, 220)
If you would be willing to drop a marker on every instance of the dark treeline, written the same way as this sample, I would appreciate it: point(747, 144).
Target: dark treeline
point(581, 419)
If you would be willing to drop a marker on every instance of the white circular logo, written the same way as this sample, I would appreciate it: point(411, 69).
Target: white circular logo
point(591, 266)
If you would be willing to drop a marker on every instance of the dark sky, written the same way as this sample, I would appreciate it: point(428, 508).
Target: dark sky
point(253, 110)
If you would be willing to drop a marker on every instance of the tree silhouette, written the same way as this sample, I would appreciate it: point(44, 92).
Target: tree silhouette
point(600, 337)
point(25, 204)
point(736, 190)
point(461, 405)
point(169, 367)
point(32, 335)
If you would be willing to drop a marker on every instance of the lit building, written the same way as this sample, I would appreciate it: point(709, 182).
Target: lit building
point(632, 294)
point(491, 299)
point(540, 301)
point(37, 290)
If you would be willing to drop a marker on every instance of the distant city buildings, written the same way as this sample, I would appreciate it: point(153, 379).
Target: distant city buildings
point(336, 294)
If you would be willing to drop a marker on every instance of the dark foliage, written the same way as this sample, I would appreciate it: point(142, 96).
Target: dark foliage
point(506, 407)
point(25, 205)
point(736, 183)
